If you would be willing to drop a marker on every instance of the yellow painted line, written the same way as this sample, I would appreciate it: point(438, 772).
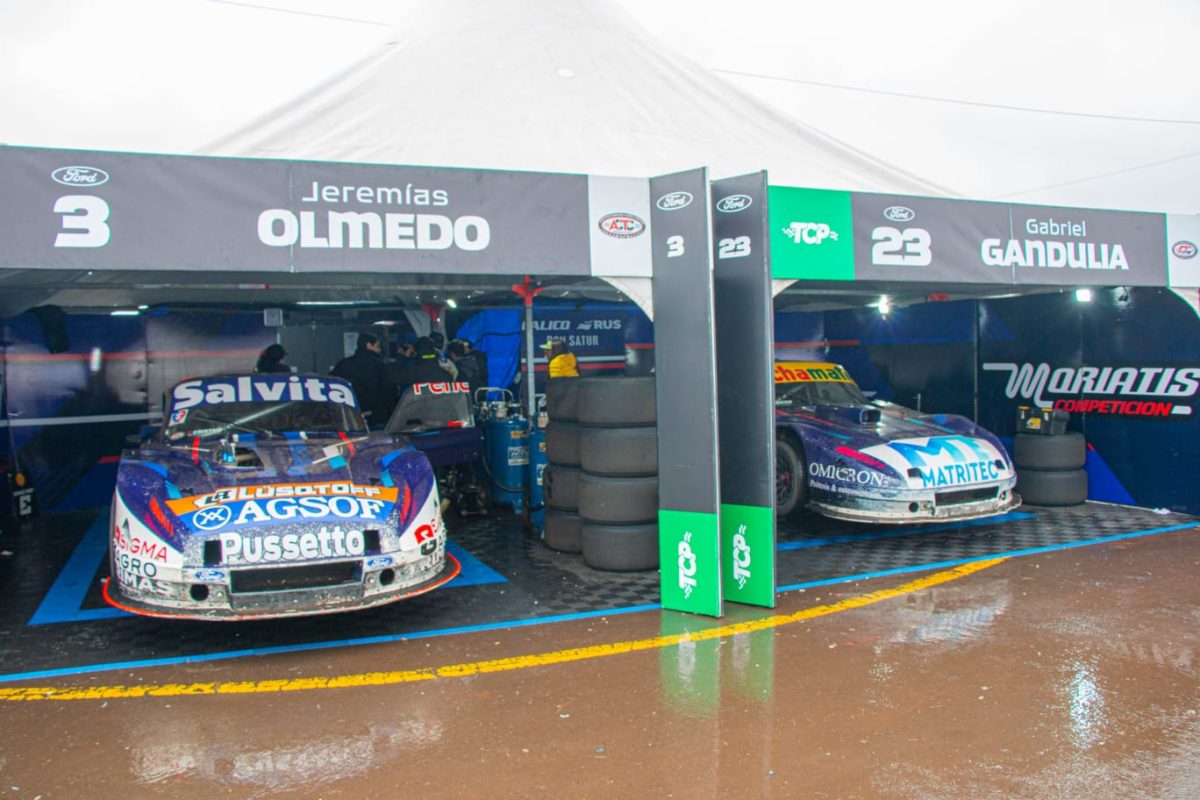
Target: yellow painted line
point(35, 693)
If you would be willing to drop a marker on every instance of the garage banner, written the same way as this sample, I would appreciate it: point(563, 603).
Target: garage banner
point(66, 209)
point(830, 235)
point(745, 388)
point(685, 383)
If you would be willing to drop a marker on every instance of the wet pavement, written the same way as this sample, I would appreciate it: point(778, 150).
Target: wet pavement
point(1060, 674)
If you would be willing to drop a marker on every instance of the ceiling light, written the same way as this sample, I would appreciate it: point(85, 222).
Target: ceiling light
point(337, 303)
point(884, 305)
point(124, 312)
point(452, 303)
point(1083, 295)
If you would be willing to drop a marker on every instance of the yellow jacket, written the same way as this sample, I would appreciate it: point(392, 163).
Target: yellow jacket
point(563, 366)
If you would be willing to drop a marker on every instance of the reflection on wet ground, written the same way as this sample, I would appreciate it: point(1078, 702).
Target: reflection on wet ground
point(1060, 675)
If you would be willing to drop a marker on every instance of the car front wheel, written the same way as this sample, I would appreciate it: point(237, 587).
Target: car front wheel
point(791, 482)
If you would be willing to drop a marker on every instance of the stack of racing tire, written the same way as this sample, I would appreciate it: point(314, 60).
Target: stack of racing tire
point(1050, 467)
point(602, 484)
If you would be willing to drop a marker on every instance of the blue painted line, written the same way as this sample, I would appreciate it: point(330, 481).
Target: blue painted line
point(917, 530)
point(71, 586)
point(302, 648)
point(64, 601)
point(1009, 554)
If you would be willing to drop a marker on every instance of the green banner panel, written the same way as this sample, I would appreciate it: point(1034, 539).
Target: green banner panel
point(748, 554)
point(812, 234)
point(690, 562)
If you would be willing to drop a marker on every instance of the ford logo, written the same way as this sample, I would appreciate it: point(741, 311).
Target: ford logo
point(1184, 249)
point(622, 226)
point(674, 201)
point(899, 213)
point(379, 562)
point(209, 575)
point(734, 203)
point(79, 176)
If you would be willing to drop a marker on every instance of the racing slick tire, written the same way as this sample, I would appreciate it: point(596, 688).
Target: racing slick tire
point(562, 443)
point(791, 477)
point(561, 486)
point(621, 548)
point(1058, 487)
point(618, 500)
point(563, 531)
point(1038, 451)
point(562, 399)
point(621, 452)
point(617, 402)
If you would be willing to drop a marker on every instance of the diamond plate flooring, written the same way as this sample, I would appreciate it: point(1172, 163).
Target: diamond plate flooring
point(540, 584)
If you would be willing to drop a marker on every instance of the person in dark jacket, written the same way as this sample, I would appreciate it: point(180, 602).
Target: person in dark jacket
point(271, 359)
point(367, 373)
point(471, 369)
point(425, 367)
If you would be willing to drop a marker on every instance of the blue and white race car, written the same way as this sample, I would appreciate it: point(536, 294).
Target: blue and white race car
point(265, 496)
point(847, 457)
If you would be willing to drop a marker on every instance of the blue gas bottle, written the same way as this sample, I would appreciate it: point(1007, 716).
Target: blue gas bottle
point(507, 453)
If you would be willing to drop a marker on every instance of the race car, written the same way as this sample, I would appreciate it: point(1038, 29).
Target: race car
point(846, 457)
point(264, 495)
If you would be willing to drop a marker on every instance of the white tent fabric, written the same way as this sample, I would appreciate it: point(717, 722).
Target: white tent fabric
point(549, 86)
point(1078, 102)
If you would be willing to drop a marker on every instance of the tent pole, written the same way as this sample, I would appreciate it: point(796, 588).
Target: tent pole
point(528, 291)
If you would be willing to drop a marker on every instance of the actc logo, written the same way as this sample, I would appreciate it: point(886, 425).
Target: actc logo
point(210, 519)
point(734, 203)
point(622, 226)
point(899, 214)
point(810, 232)
point(674, 201)
point(79, 176)
point(1184, 249)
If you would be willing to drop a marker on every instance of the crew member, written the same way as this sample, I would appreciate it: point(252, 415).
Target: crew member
point(471, 369)
point(561, 360)
point(367, 373)
point(425, 367)
point(271, 359)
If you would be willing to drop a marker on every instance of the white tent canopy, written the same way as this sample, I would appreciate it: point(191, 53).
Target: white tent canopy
point(1077, 103)
point(1082, 103)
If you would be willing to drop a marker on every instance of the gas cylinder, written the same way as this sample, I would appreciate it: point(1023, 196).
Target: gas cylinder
point(507, 453)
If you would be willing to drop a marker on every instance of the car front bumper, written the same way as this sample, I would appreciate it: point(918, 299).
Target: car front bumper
point(916, 507)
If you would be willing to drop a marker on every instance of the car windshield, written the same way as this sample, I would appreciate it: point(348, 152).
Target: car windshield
point(265, 419)
point(814, 393)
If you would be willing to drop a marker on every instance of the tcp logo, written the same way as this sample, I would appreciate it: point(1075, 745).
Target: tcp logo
point(622, 226)
point(79, 176)
point(1184, 249)
point(810, 232)
point(210, 519)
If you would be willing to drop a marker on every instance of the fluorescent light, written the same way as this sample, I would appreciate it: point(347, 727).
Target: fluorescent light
point(124, 312)
point(1083, 295)
point(337, 303)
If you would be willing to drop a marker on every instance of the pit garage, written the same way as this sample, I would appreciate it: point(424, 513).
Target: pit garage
point(89, 354)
